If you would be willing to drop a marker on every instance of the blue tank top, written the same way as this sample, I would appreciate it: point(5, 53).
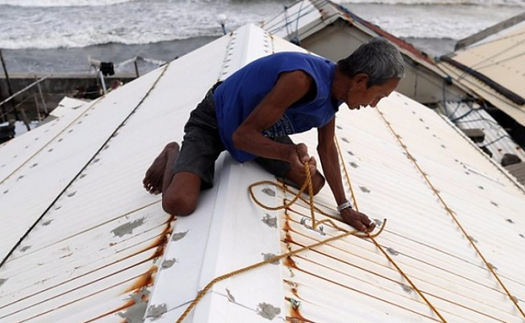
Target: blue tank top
point(240, 93)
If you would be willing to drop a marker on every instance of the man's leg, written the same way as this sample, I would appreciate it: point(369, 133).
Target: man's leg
point(283, 171)
point(193, 168)
point(182, 194)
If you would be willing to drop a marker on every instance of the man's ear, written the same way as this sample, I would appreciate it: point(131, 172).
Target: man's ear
point(361, 78)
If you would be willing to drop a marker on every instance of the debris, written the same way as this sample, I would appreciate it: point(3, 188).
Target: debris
point(269, 192)
point(135, 313)
point(156, 311)
point(268, 311)
point(406, 288)
point(178, 235)
point(127, 228)
point(392, 251)
point(270, 221)
point(229, 295)
point(268, 256)
point(168, 263)
point(46, 223)
point(295, 303)
point(364, 189)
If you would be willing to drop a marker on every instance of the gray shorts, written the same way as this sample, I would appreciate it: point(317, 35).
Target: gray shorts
point(202, 145)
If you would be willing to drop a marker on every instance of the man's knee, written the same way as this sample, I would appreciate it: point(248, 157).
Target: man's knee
point(179, 204)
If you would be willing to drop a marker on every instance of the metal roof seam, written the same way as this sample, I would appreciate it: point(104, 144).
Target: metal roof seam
point(228, 52)
point(123, 215)
point(4, 260)
point(489, 266)
point(51, 140)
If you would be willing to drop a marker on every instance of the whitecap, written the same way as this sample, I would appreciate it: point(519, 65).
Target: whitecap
point(61, 3)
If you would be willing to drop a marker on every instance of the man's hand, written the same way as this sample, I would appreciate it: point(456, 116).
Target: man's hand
point(358, 220)
point(298, 156)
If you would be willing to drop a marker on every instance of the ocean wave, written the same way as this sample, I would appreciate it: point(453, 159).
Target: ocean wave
point(97, 3)
point(507, 3)
point(84, 40)
point(62, 3)
point(142, 22)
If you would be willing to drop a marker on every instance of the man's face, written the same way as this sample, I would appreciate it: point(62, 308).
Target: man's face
point(359, 95)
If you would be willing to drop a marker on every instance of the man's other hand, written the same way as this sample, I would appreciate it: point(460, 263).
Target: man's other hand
point(299, 156)
point(358, 220)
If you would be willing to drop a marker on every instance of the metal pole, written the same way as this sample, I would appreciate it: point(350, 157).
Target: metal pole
point(24, 89)
point(3, 112)
point(37, 107)
point(102, 82)
point(25, 119)
point(42, 98)
point(9, 89)
point(136, 67)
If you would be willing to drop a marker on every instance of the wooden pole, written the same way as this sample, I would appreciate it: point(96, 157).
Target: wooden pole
point(9, 89)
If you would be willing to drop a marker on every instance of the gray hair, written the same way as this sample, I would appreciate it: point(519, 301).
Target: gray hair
point(379, 59)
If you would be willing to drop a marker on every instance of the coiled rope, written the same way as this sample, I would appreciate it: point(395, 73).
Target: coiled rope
point(315, 224)
point(307, 183)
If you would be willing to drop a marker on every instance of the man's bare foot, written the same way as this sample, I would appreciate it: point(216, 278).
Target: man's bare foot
point(153, 180)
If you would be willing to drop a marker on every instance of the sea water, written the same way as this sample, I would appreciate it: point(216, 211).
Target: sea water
point(58, 36)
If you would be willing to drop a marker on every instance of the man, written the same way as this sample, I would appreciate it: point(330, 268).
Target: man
point(254, 110)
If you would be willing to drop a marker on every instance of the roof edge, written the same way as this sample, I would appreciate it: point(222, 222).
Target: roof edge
point(514, 97)
point(489, 31)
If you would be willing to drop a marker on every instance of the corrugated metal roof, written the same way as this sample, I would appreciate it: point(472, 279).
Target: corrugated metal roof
point(500, 58)
point(94, 238)
point(473, 116)
point(17, 152)
point(420, 234)
point(102, 247)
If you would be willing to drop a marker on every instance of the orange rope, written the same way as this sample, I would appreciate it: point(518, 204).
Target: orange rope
point(308, 183)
